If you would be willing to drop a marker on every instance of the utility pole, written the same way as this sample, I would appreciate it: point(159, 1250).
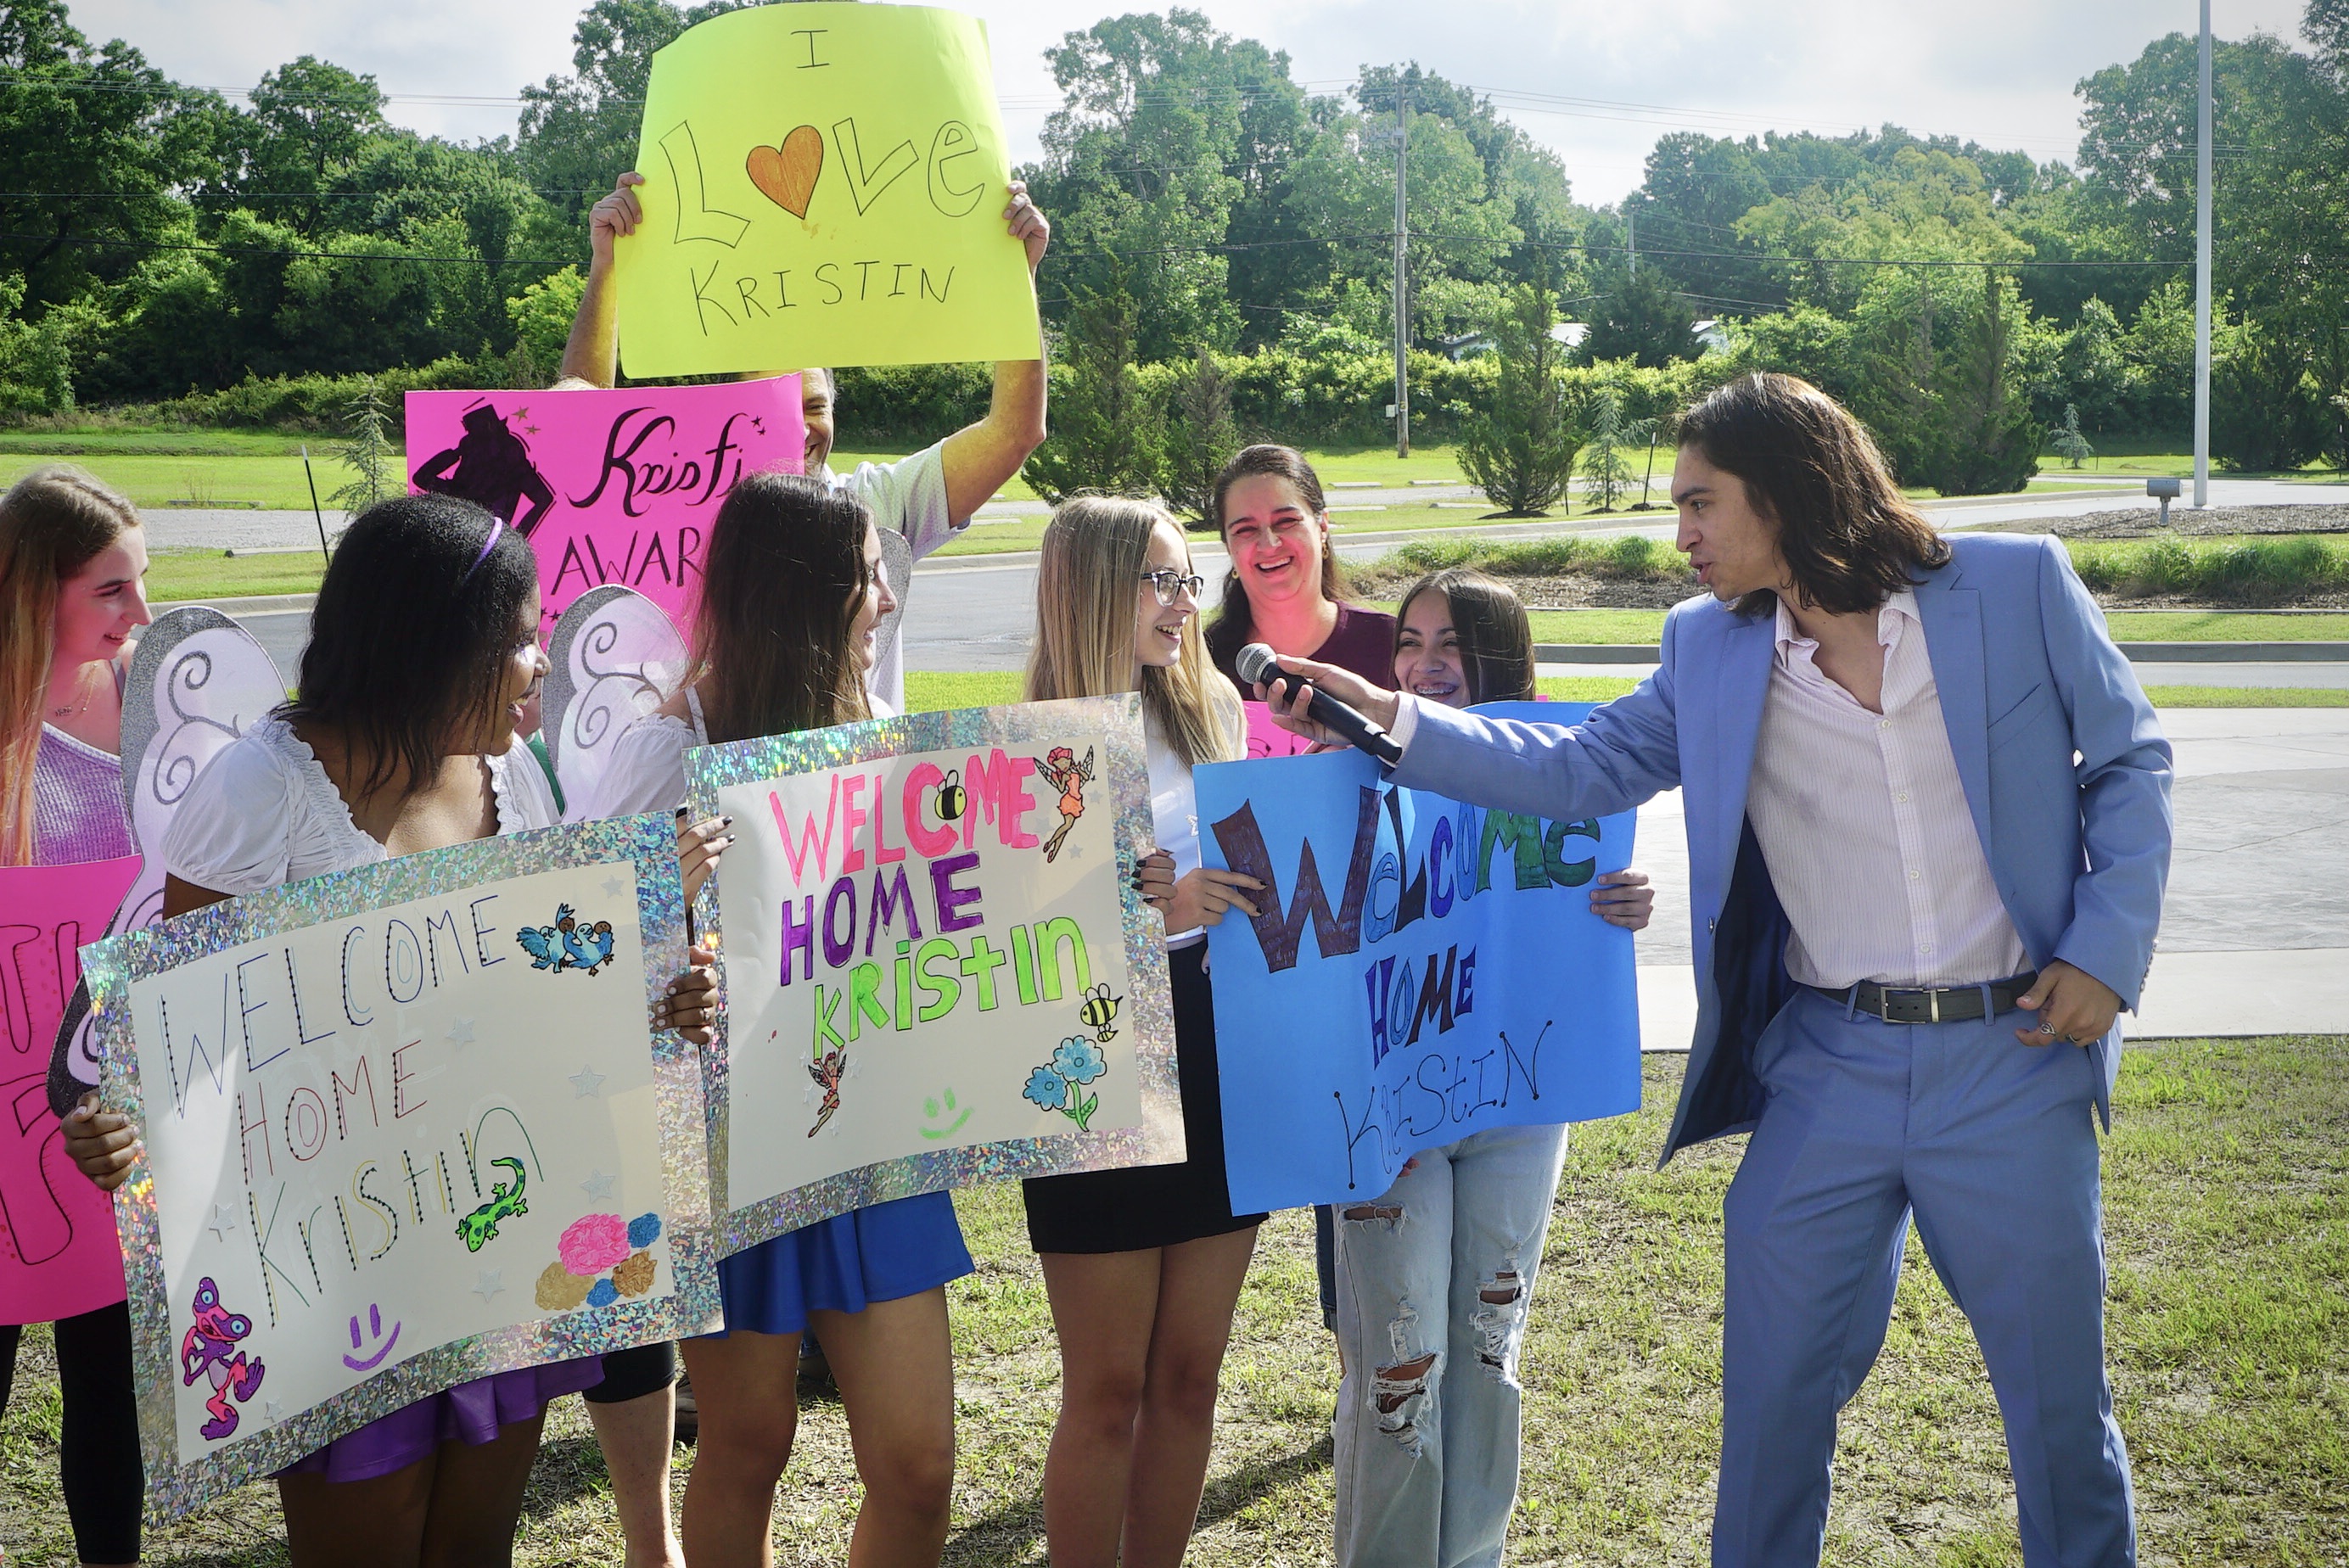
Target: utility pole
point(2202, 279)
point(1401, 286)
point(1632, 238)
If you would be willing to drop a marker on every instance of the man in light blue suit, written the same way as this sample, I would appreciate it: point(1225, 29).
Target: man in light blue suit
point(1926, 799)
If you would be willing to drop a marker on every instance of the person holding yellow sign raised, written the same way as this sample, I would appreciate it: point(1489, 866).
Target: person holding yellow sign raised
point(929, 496)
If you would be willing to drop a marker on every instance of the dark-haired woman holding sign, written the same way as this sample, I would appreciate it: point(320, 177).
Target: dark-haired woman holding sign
point(1435, 1275)
point(424, 648)
point(783, 641)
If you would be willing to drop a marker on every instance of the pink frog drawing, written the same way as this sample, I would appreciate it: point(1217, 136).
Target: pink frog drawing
point(211, 1347)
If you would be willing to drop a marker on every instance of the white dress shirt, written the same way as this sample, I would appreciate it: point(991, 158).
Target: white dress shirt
point(1863, 821)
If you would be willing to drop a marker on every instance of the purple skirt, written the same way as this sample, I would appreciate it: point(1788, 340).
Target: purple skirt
point(469, 1413)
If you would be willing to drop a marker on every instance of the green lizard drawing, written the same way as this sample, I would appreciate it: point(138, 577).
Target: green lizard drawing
point(482, 1225)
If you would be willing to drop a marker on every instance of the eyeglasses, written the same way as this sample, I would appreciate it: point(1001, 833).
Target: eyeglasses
point(1170, 582)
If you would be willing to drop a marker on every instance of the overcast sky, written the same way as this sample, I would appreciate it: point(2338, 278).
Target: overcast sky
point(1615, 76)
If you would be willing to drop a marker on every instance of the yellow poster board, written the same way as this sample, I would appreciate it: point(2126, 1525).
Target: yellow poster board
point(824, 184)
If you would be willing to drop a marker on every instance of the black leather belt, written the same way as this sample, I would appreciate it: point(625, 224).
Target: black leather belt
point(1954, 1005)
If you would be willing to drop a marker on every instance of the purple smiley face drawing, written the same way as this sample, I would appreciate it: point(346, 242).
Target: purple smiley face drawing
point(375, 1332)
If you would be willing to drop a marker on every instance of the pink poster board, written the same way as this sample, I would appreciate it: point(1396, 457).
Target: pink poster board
point(609, 486)
point(1266, 738)
point(58, 1255)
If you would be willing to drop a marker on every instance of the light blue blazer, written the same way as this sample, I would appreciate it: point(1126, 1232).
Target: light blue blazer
point(2064, 768)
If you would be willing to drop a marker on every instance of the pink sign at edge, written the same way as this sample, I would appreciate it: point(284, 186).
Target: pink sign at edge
point(48, 1208)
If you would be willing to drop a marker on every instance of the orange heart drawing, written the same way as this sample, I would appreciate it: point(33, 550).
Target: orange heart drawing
point(787, 177)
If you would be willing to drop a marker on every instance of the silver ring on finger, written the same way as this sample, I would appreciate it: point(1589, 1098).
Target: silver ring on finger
point(2047, 1028)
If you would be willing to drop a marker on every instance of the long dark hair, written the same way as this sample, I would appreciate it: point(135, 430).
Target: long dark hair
point(1497, 639)
point(784, 578)
point(409, 636)
point(1848, 536)
point(1235, 622)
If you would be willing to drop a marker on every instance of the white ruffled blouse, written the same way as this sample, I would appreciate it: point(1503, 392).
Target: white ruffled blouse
point(264, 812)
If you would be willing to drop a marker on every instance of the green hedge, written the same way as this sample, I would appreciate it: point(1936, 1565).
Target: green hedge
point(2251, 569)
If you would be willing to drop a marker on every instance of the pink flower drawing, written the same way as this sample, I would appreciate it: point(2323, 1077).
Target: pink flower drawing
point(592, 1243)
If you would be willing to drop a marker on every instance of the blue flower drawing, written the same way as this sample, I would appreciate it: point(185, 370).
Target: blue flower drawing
point(1076, 1061)
point(1047, 1088)
point(643, 1232)
point(1079, 1061)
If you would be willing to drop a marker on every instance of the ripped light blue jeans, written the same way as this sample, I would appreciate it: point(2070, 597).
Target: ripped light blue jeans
point(1434, 1278)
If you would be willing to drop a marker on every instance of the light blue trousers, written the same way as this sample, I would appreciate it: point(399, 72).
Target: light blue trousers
point(1992, 1144)
point(1434, 1278)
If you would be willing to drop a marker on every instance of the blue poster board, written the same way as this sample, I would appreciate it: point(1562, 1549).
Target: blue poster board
point(1421, 970)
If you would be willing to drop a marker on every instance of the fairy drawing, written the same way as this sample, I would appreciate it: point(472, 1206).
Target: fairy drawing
point(1061, 770)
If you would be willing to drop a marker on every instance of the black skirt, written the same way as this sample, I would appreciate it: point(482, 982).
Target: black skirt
point(1153, 1205)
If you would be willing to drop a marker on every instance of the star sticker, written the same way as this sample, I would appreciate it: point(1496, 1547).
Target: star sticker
point(273, 1410)
point(613, 886)
point(488, 1285)
point(598, 1186)
point(586, 1083)
point(222, 1222)
point(460, 1033)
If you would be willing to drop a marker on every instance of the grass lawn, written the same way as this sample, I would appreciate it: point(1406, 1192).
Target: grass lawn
point(184, 574)
point(2246, 696)
point(2227, 1226)
point(271, 479)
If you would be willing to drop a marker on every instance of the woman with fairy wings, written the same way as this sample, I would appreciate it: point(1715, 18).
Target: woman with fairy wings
point(1064, 772)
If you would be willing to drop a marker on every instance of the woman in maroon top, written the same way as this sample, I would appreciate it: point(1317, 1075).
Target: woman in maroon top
point(1283, 589)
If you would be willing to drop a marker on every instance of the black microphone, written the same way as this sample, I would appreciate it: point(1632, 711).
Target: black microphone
point(1259, 666)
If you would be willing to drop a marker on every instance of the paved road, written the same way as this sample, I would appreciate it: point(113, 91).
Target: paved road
point(967, 613)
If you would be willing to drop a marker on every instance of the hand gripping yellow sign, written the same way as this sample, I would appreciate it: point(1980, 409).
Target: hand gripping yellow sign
point(824, 184)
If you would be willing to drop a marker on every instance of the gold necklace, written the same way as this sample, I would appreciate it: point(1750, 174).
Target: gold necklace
point(72, 710)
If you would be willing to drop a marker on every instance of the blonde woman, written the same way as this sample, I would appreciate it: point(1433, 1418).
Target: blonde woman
point(71, 560)
point(1143, 1266)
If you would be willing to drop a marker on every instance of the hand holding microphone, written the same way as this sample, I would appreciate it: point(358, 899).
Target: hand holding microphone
point(1315, 702)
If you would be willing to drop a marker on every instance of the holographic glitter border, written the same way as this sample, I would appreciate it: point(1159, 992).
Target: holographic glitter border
point(1115, 724)
point(649, 843)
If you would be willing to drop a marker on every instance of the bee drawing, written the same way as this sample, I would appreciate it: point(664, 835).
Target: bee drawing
point(1098, 1011)
point(952, 801)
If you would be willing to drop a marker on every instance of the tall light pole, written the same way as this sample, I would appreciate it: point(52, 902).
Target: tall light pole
point(2203, 277)
point(1401, 287)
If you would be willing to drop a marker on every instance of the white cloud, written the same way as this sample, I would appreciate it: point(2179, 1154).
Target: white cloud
point(2000, 71)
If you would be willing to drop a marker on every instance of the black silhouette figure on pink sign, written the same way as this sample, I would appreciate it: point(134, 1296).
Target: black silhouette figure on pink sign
point(492, 471)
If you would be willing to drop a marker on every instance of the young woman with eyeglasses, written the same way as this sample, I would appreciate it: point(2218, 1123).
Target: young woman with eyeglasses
point(1143, 1266)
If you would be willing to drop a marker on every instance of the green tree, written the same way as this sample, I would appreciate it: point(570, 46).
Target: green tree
point(1108, 434)
point(1638, 317)
point(367, 452)
point(1200, 439)
point(94, 144)
point(2067, 442)
point(1989, 442)
point(1607, 432)
point(1519, 450)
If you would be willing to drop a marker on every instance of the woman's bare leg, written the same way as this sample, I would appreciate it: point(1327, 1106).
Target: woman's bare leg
point(1103, 1304)
point(748, 1386)
point(895, 1363)
point(477, 1498)
point(1199, 1285)
point(636, 1436)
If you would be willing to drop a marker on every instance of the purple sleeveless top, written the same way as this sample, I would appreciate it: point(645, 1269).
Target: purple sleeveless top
point(77, 812)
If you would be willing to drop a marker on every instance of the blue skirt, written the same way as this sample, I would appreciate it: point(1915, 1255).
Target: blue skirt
point(889, 1251)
